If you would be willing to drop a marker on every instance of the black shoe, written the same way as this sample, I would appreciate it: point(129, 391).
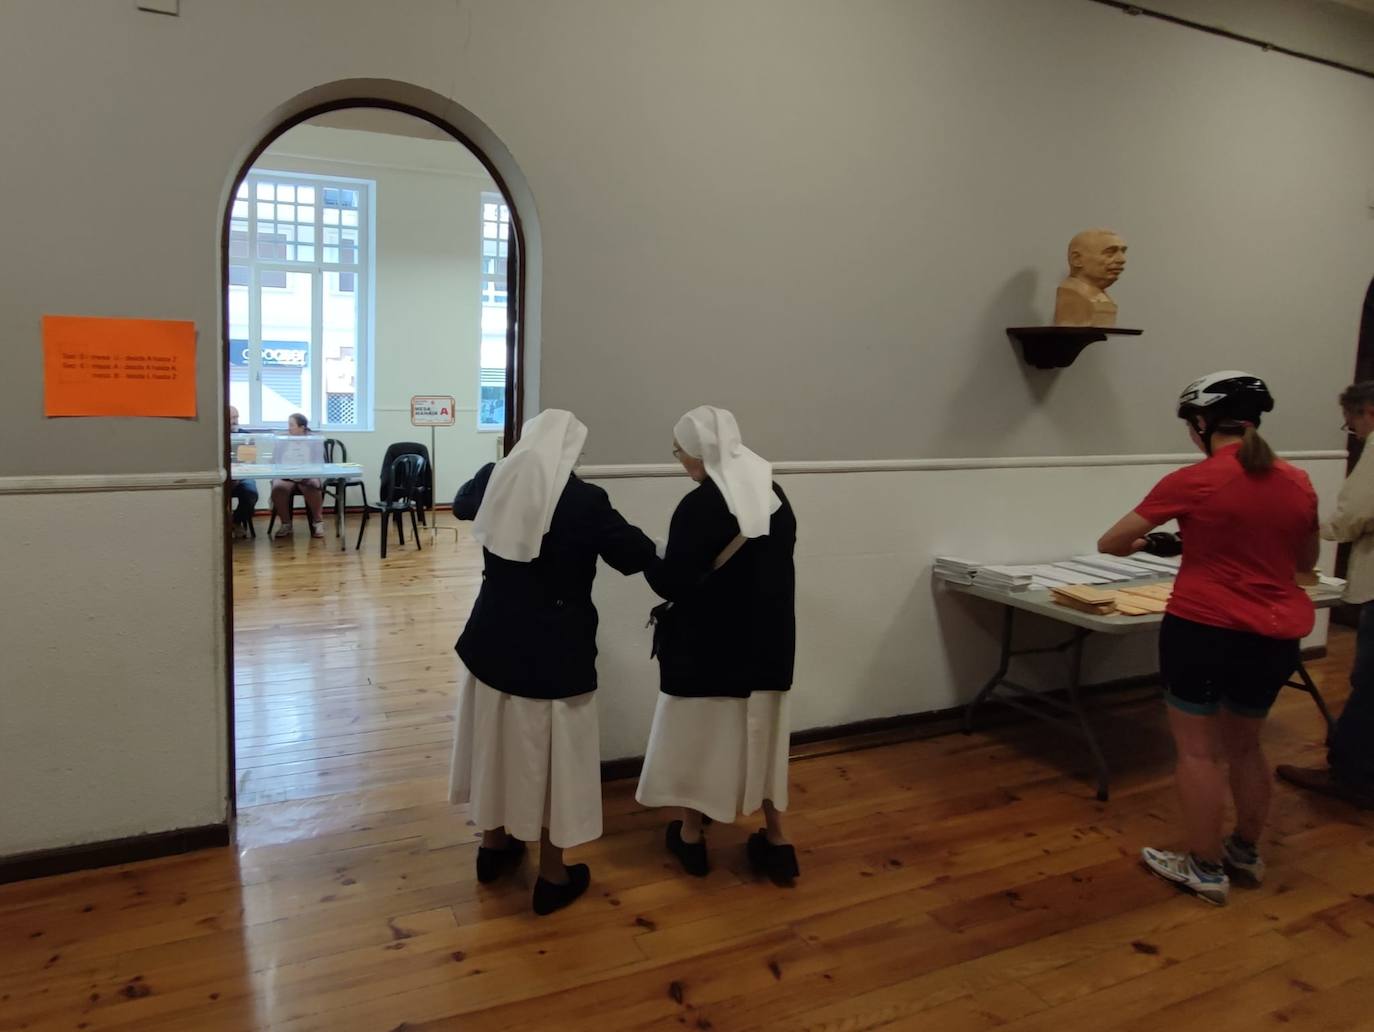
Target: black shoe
point(779, 863)
point(549, 896)
point(492, 863)
point(692, 854)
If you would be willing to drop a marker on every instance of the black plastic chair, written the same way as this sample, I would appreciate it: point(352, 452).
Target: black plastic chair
point(424, 488)
point(337, 489)
point(401, 496)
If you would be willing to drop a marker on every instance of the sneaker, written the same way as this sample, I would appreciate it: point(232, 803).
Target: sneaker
point(691, 854)
point(285, 530)
point(1183, 871)
point(317, 530)
point(492, 863)
point(778, 863)
point(1243, 863)
point(550, 896)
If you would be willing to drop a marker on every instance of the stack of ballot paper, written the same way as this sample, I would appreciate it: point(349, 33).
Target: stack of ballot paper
point(1143, 599)
point(961, 571)
point(1086, 599)
point(1008, 578)
point(956, 571)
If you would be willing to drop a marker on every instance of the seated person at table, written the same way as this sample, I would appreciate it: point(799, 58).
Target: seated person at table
point(311, 489)
point(243, 492)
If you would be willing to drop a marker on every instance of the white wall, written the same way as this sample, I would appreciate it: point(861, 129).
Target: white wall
point(821, 214)
point(112, 700)
point(426, 290)
point(876, 636)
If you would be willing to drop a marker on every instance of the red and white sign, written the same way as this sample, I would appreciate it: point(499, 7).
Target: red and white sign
point(432, 410)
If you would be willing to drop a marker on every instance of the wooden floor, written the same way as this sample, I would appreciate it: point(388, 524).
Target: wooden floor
point(949, 884)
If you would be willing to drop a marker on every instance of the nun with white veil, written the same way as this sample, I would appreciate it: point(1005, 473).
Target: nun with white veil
point(725, 640)
point(526, 752)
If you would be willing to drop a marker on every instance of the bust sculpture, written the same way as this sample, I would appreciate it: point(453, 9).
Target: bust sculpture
point(1096, 258)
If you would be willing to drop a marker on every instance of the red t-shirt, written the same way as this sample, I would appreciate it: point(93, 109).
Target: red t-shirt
point(1241, 537)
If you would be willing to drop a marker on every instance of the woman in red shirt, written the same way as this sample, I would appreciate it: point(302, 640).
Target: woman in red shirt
point(1229, 641)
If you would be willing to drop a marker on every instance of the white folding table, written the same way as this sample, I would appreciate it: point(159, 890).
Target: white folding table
point(1068, 712)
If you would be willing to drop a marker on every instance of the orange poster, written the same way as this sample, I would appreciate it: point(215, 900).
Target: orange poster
point(118, 367)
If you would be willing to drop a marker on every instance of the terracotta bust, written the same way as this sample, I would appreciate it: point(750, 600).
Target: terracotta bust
point(1096, 258)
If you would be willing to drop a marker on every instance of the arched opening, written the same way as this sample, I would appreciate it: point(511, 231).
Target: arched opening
point(307, 273)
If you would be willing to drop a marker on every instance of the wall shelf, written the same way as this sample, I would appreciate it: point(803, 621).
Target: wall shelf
point(1054, 347)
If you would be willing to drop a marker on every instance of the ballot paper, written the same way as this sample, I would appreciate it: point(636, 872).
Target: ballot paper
point(1110, 564)
point(1082, 573)
point(1158, 562)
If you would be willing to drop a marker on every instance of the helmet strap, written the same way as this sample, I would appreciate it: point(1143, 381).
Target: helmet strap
point(1204, 428)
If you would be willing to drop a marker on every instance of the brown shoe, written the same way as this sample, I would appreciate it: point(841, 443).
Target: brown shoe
point(1323, 782)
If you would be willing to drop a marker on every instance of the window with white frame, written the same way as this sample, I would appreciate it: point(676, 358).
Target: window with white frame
point(491, 389)
point(299, 296)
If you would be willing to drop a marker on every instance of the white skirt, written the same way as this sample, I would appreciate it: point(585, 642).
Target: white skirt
point(526, 764)
point(720, 756)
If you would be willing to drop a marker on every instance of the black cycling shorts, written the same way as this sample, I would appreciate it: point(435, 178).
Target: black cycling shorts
point(1205, 667)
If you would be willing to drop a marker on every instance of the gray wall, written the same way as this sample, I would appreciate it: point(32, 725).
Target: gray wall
point(820, 214)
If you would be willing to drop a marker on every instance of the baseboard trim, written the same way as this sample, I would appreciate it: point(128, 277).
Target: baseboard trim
point(45, 863)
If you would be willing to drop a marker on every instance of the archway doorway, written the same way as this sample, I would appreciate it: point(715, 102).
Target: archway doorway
point(370, 252)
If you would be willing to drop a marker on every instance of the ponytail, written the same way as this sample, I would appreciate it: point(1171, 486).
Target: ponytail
point(1255, 455)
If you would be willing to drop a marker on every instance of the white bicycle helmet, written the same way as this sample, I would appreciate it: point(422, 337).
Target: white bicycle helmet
point(1229, 396)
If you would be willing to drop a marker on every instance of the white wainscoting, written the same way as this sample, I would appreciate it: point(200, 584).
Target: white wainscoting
point(875, 636)
point(112, 711)
point(112, 705)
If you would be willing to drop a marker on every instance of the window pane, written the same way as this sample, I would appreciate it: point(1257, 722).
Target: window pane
point(239, 387)
point(286, 193)
point(331, 196)
point(238, 239)
point(331, 216)
point(240, 209)
point(491, 405)
point(305, 252)
point(339, 339)
point(305, 213)
point(305, 195)
point(286, 332)
point(266, 211)
point(305, 234)
point(349, 198)
point(264, 191)
point(331, 236)
point(350, 218)
point(286, 212)
point(242, 190)
point(331, 255)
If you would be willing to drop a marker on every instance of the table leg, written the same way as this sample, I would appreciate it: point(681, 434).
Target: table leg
point(1068, 713)
point(1076, 702)
point(1008, 618)
point(339, 492)
point(1306, 683)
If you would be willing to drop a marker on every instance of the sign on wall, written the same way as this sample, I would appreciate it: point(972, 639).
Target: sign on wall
point(432, 410)
point(118, 367)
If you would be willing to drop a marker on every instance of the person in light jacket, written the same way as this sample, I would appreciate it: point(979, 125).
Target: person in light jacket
point(1349, 773)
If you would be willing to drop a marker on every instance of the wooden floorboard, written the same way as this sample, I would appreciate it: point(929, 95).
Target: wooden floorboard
point(949, 884)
